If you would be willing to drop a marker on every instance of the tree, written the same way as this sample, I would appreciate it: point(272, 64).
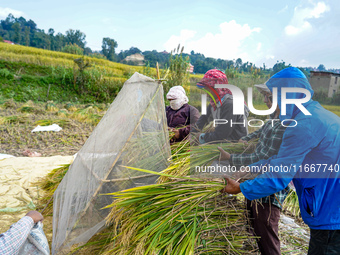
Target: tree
point(321, 67)
point(76, 37)
point(27, 36)
point(16, 28)
point(108, 48)
point(238, 62)
point(87, 51)
point(279, 66)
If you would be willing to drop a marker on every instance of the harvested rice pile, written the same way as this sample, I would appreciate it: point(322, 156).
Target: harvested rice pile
point(185, 216)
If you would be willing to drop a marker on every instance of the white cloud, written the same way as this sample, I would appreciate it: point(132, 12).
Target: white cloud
point(5, 11)
point(174, 40)
point(227, 44)
point(299, 22)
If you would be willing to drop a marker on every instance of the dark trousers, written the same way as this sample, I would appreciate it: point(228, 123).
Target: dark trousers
point(265, 222)
point(324, 242)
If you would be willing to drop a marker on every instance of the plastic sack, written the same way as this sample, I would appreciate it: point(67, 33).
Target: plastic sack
point(36, 242)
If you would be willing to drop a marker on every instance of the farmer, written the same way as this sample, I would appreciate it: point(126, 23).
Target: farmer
point(216, 110)
point(180, 114)
point(309, 155)
point(265, 214)
point(12, 240)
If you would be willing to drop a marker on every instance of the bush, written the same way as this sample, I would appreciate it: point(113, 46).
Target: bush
point(73, 49)
point(97, 55)
point(6, 74)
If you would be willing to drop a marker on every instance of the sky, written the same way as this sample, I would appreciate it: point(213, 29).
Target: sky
point(304, 33)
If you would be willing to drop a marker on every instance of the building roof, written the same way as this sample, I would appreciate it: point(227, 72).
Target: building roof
point(323, 73)
point(6, 41)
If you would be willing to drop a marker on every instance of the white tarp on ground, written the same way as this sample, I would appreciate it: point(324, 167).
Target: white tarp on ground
point(17, 194)
point(133, 132)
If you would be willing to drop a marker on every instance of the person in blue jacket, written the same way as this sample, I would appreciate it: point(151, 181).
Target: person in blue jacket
point(310, 156)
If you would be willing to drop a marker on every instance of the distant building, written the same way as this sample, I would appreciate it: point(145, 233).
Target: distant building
point(137, 59)
point(325, 80)
point(9, 42)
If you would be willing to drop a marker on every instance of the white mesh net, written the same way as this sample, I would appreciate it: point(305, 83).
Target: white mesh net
point(133, 133)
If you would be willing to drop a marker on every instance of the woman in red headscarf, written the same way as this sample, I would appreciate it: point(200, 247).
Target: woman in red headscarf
point(221, 107)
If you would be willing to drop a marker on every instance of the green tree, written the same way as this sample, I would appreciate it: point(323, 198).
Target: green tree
point(108, 48)
point(279, 66)
point(321, 67)
point(16, 28)
point(238, 62)
point(27, 36)
point(76, 37)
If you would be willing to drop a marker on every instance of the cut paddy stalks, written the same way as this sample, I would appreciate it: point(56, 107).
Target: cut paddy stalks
point(183, 216)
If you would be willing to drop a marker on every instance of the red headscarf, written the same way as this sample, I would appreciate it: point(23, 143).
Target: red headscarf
point(211, 78)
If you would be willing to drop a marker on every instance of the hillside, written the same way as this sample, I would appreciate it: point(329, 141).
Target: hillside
point(28, 73)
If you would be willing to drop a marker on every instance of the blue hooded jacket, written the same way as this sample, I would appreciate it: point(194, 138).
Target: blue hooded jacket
point(309, 155)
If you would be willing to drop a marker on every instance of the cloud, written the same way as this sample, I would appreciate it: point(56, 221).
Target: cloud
point(227, 44)
point(5, 11)
point(174, 40)
point(300, 23)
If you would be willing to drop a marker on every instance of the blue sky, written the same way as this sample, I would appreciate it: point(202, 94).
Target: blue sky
point(303, 33)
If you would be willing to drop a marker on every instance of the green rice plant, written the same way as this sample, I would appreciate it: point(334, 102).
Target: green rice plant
point(291, 204)
point(183, 216)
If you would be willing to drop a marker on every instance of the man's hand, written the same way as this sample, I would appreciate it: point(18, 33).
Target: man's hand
point(36, 216)
point(243, 141)
point(223, 155)
point(176, 131)
point(232, 187)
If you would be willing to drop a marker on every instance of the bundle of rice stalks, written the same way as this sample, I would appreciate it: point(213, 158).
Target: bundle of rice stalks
point(142, 151)
point(13, 119)
point(291, 204)
point(62, 113)
point(50, 183)
point(70, 107)
point(87, 115)
point(51, 107)
point(61, 122)
point(26, 108)
point(204, 154)
point(179, 161)
point(187, 216)
point(9, 104)
point(185, 157)
point(89, 109)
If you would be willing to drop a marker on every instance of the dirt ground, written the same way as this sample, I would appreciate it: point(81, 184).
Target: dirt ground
point(16, 127)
